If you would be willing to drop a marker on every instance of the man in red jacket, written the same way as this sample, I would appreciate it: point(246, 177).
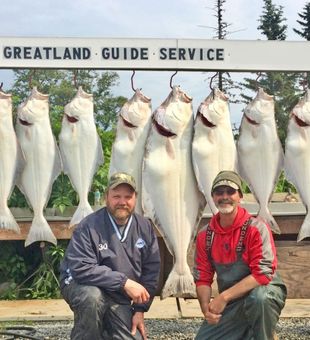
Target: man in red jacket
point(240, 249)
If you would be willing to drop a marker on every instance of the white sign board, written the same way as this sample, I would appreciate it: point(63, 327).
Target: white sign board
point(154, 54)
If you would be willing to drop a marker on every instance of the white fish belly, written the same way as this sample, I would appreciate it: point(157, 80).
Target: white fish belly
point(212, 151)
point(40, 153)
point(260, 161)
point(79, 146)
point(297, 167)
point(8, 165)
point(127, 156)
point(171, 200)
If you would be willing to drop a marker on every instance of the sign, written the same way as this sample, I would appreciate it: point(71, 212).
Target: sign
point(154, 54)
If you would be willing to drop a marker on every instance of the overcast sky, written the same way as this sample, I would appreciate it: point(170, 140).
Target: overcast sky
point(141, 19)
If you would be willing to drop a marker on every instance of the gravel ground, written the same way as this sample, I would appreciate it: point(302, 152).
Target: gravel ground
point(178, 329)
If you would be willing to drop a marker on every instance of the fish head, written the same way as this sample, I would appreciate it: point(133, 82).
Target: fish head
point(136, 111)
point(174, 113)
point(5, 105)
point(214, 110)
point(80, 107)
point(301, 111)
point(261, 109)
point(34, 108)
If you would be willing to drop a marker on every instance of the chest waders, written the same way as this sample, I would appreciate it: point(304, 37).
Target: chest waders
point(251, 317)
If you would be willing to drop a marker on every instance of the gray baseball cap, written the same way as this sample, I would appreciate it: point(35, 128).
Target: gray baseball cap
point(228, 178)
point(121, 178)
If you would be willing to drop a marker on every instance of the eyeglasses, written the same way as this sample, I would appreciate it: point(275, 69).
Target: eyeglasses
point(228, 190)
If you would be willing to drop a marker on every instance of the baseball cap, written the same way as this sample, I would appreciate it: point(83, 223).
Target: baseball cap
point(121, 178)
point(228, 178)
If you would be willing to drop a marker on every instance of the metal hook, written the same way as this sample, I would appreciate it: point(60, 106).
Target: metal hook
point(259, 74)
point(211, 80)
point(1, 86)
point(172, 78)
point(75, 73)
point(131, 79)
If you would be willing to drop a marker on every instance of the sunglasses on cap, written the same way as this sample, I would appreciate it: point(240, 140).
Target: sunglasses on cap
point(221, 190)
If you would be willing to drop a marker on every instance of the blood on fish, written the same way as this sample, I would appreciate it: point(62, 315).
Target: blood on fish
point(205, 121)
point(163, 131)
point(128, 124)
point(24, 122)
point(71, 119)
point(300, 122)
point(251, 121)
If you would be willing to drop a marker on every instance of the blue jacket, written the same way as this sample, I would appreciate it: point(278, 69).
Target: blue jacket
point(97, 255)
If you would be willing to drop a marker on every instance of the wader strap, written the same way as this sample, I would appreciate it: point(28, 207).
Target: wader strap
point(244, 229)
point(209, 240)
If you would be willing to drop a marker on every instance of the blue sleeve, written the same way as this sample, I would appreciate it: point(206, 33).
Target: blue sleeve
point(81, 259)
point(150, 271)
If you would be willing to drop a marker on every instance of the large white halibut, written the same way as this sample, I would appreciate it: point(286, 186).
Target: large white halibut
point(260, 154)
point(11, 161)
point(170, 195)
point(43, 163)
point(81, 149)
point(128, 148)
point(214, 148)
point(297, 156)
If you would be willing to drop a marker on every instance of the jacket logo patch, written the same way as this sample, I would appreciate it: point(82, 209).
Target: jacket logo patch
point(103, 246)
point(140, 243)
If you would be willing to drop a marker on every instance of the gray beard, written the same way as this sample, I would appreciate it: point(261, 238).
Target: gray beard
point(226, 210)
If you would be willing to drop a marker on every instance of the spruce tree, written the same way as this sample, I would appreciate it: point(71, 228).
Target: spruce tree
point(304, 22)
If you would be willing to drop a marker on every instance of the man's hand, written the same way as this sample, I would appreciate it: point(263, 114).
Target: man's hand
point(138, 323)
point(136, 292)
point(217, 305)
point(212, 318)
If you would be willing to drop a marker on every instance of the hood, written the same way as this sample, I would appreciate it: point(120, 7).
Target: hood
point(241, 217)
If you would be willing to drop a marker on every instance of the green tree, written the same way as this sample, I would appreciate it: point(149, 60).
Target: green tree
point(304, 22)
point(271, 22)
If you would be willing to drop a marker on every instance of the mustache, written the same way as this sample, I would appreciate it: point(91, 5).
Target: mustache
point(225, 201)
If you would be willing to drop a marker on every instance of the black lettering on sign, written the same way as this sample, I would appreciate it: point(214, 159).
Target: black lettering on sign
point(163, 53)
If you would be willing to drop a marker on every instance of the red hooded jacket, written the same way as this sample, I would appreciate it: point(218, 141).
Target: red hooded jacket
point(259, 253)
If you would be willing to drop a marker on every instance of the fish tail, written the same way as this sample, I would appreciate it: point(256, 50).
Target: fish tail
point(83, 210)
point(40, 231)
point(304, 229)
point(265, 214)
point(7, 220)
point(179, 285)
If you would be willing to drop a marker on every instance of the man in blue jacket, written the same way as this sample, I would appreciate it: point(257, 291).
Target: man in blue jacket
point(110, 271)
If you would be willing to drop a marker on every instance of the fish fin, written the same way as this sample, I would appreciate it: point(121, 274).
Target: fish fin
point(7, 221)
point(81, 212)
point(40, 231)
point(100, 155)
point(170, 148)
point(179, 285)
point(304, 230)
point(20, 163)
point(265, 214)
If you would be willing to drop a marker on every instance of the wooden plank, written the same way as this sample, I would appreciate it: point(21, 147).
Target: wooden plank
point(294, 267)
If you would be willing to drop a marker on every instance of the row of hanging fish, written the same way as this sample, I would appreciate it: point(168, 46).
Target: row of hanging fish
point(178, 158)
point(31, 158)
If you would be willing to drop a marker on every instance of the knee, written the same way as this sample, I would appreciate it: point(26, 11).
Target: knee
point(258, 298)
point(89, 297)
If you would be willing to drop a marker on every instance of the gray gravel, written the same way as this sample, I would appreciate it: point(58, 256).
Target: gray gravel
point(179, 329)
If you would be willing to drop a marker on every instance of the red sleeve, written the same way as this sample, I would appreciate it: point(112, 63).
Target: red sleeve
point(261, 251)
point(203, 270)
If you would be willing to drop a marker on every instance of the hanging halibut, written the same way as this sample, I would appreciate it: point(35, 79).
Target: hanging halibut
point(297, 156)
point(260, 154)
point(11, 161)
point(214, 148)
point(128, 148)
point(170, 195)
point(81, 149)
point(43, 163)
